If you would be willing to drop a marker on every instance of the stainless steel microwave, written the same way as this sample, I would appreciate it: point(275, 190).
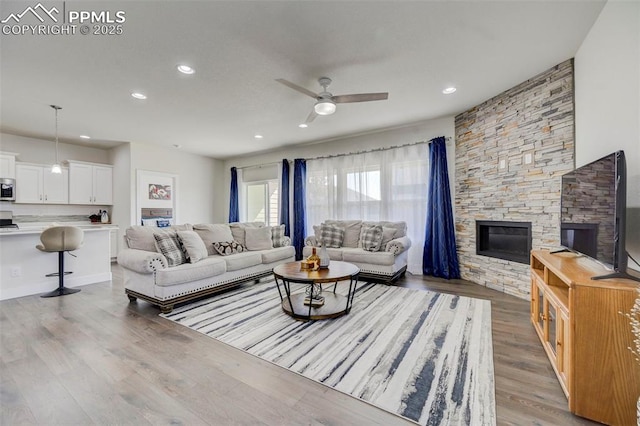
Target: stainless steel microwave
point(7, 189)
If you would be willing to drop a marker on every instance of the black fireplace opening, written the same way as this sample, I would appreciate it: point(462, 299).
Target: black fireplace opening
point(504, 240)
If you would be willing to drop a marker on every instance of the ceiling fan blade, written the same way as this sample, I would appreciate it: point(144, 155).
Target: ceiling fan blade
point(297, 88)
point(362, 97)
point(312, 116)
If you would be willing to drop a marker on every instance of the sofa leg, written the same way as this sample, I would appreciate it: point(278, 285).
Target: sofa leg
point(166, 309)
point(131, 298)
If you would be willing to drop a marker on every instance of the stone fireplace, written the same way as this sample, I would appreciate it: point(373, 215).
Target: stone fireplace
point(511, 152)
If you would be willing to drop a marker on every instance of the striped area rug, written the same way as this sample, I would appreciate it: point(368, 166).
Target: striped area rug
point(423, 355)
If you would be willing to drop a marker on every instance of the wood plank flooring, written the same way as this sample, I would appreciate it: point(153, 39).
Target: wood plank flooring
point(94, 358)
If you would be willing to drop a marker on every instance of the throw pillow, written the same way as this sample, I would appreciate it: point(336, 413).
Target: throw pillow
point(141, 237)
point(400, 227)
point(351, 231)
point(227, 248)
point(331, 235)
point(388, 234)
point(317, 232)
point(371, 237)
point(169, 246)
point(258, 238)
point(278, 238)
point(193, 246)
point(237, 230)
point(213, 233)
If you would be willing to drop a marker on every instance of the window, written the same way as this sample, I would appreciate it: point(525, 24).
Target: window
point(260, 196)
point(262, 202)
point(387, 184)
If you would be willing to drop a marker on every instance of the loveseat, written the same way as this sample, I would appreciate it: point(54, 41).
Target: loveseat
point(379, 249)
point(167, 266)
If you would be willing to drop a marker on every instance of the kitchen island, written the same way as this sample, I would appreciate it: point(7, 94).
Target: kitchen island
point(23, 267)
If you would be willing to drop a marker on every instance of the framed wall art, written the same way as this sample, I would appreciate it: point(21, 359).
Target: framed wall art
point(156, 190)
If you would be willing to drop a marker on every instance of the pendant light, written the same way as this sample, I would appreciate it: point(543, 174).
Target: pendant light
point(56, 167)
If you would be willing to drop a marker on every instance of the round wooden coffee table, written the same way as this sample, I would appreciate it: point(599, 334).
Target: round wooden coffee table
point(333, 304)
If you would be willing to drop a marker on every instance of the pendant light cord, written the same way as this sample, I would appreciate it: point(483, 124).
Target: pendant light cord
point(56, 108)
point(57, 162)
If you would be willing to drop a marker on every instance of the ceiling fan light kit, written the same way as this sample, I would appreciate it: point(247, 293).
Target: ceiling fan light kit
point(325, 107)
point(326, 102)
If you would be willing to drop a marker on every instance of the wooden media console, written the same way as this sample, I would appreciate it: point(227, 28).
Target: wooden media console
point(586, 335)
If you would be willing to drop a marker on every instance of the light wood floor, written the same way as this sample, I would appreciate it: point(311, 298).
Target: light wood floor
point(93, 358)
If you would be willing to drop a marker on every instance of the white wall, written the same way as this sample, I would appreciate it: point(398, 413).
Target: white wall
point(44, 152)
point(607, 93)
point(122, 212)
point(607, 81)
point(199, 181)
point(422, 131)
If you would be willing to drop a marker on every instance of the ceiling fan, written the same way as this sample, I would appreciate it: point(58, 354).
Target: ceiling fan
point(326, 102)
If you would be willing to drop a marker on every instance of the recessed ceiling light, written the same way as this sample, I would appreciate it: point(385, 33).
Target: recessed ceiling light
point(303, 125)
point(186, 69)
point(449, 90)
point(85, 137)
point(258, 136)
point(139, 95)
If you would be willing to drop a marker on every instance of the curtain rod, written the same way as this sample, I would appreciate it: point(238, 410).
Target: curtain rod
point(254, 166)
point(259, 166)
point(447, 139)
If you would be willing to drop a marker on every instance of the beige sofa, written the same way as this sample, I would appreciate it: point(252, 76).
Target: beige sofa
point(151, 275)
point(385, 263)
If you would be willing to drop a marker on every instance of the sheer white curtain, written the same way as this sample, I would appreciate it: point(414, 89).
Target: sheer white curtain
point(388, 184)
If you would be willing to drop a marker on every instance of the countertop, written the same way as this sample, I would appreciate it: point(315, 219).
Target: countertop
point(37, 228)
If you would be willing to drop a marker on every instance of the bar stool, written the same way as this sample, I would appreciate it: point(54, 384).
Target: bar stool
point(60, 239)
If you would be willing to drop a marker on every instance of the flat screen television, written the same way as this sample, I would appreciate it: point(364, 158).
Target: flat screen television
point(592, 213)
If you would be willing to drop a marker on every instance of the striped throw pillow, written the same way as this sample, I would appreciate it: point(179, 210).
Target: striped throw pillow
point(371, 237)
point(168, 244)
point(331, 235)
point(278, 238)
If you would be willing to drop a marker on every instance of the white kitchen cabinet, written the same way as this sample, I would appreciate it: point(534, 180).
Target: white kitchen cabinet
point(90, 183)
point(35, 184)
point(8, 165)
point(102, 185)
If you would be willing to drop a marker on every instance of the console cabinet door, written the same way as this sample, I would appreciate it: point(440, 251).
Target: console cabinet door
point(537, 302)
point(29, 184)
point(102, 185)
point(55, 186)
point(563, 360)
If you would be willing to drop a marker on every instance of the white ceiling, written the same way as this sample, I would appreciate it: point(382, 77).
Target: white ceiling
point(410, 49)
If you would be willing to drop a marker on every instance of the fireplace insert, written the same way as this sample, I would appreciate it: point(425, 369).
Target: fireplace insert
point(504, 240)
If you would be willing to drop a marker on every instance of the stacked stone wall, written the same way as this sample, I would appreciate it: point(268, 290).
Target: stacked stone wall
point(494, 181)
